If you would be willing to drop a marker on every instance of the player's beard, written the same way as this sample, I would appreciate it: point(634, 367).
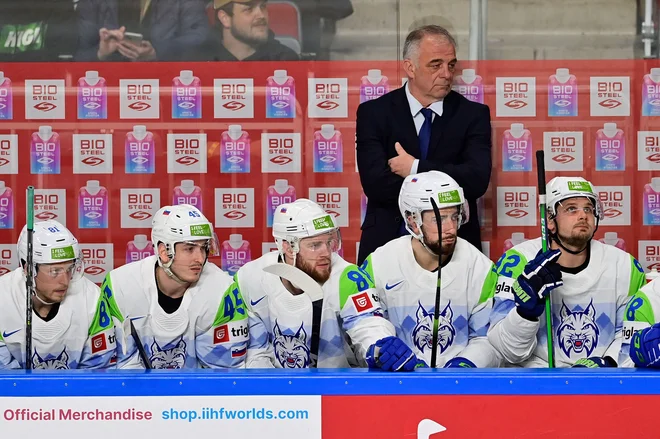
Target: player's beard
point(434, 246)
point(247, 38)
point(579, 238)
point(320, 277)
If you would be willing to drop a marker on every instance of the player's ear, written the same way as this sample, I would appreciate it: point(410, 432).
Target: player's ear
point(162, 252)
point(551, 224)
point(288, 250)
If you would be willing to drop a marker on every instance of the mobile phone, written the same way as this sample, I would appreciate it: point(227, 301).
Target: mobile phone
point(133, 37)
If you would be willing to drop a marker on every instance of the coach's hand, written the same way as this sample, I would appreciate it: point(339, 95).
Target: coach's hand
point(401, 165)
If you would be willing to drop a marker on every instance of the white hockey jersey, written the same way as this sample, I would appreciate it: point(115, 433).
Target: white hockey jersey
point(407, 293)
point(643, 311)
point(209, 329)
point(80, 336)
point(587, 311)
point(281, 323)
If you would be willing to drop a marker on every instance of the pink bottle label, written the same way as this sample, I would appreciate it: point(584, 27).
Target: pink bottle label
point(235, 258)
point(328, 153)
point(517, 151)
point(274, 199)
point(186, 99)
point(45, 154)
point(562, 97)
point(133, 253)
point(194, 198)
point(650, 97)
point(6, 100)
point(473, 91)
point(610, 151)
point(7, 209)
point(93, 209)
point(235, 154)
point(280, 99)
point(92, 100)
point(651, 206)
point(140, 154)
point(370, 91)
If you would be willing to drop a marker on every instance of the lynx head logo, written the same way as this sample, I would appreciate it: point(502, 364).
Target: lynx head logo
point(291, 350)
point(578, 331)
point(423, 330)
point(173, 358)
point(61, 362)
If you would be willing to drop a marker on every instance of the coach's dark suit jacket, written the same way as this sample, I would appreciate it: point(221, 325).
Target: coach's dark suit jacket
point(460, 146)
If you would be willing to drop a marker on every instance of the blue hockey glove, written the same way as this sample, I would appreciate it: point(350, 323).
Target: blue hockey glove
point(460, 362)
point(595, 362)
point(645, 347)
point(541, 275)
point(391, 354)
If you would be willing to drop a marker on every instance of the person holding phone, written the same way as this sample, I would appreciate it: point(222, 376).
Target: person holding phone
point(139, 30)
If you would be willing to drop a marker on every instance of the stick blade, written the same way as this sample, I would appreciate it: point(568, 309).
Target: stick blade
point(297, 277)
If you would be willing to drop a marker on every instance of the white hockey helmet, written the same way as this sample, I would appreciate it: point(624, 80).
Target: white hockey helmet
point(562, 188)
point(301, 219)
point(417, 190)
point(52, 243)
point(180, 223)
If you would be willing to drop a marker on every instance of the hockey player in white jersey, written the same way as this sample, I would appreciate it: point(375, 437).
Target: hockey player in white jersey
point(345, 328)
point(589, 284)
point(186, 312)
point(641, 329)
point(71, 325)
point(405, 274)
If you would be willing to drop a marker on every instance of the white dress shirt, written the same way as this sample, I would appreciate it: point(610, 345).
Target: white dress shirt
point(418, 117)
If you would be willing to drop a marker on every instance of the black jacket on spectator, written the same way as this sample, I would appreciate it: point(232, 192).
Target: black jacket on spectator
point(36, 32)
point(173, 27)
point(273, 50)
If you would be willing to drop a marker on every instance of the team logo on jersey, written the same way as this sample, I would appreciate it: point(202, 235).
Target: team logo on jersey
point(61, 362)
point(173, 358)
point(98, 343)
point(291, 350)
point(578, 331)
point(423, 331)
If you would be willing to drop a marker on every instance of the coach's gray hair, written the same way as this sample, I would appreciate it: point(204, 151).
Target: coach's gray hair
point(411, 46)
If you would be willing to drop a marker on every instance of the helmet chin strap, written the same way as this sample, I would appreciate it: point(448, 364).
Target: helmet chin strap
point(420, 238)
point(168, 270)
point(35, 295)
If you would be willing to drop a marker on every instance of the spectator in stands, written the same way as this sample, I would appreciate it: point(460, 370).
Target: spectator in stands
point(244, 34)
point(168, 29)
point(43, 33)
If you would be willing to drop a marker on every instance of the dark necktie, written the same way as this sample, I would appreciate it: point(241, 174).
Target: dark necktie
point(424, 141)
point(425, 132)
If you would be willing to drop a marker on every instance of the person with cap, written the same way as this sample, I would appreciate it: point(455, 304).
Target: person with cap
point(244, 34)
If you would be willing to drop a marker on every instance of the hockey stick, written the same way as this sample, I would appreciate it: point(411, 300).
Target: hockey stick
point(540, 168)
point(140, 348)
point(29, 286)
point(315, 292)
point(436, 311)
point(297, 277)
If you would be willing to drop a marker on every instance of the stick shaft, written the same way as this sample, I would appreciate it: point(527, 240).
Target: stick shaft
point(29, 287)
point(540, 166)
point(438, 289)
